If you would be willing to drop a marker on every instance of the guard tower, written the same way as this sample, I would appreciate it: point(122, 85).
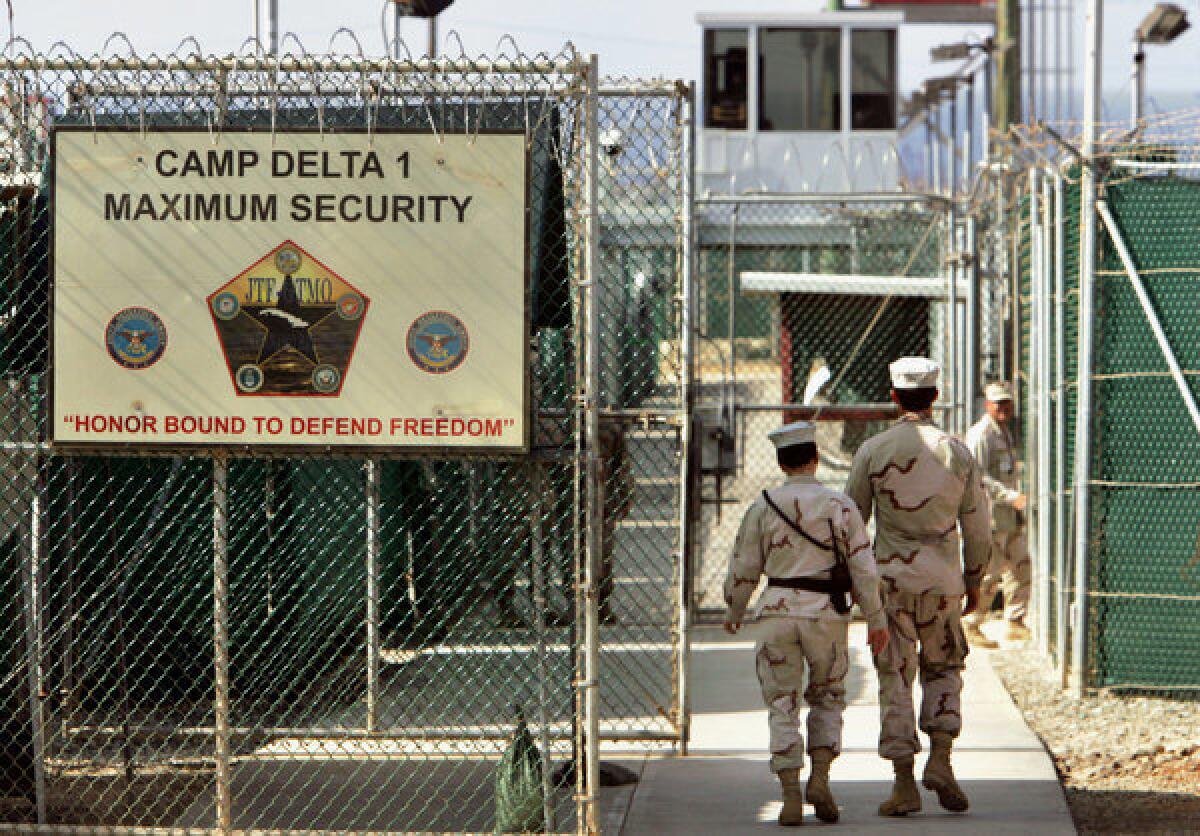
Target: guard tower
point(799, 102)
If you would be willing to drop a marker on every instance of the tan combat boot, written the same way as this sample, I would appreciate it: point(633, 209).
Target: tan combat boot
point(818, 793)
point(906, 798)
point(939, 776)
point(976, 637)
point(792, 813)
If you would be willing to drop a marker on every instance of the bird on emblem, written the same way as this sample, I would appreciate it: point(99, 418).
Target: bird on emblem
point(136, 339)
point(436, 344)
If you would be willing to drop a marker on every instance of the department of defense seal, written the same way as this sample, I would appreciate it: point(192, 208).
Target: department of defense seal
point(438, 342)
point(136, 338)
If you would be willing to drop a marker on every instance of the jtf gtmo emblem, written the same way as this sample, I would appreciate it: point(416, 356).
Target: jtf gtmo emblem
point(288, 325)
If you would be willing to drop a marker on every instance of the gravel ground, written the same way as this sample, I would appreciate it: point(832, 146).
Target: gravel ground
point(1128, 764)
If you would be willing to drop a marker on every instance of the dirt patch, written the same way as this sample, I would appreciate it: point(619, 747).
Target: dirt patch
point(1127, 764)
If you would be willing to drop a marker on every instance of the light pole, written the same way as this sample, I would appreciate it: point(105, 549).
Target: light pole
point(428, 9)
point(1165, 23)
point(964, 51)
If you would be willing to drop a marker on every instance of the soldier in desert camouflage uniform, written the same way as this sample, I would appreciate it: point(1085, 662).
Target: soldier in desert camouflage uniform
point(922, 485)
point(800, 626)
point(992, 445)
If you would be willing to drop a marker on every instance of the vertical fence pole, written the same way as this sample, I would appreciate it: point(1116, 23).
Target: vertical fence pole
point(687, 370)
point(952, 374)
point(224, 792)
point(1044, 496)
point(971, 327)
point(594, 488)
point(29, 533)
point(1083, 410)
point(731, 284)
point(538, 576)
point(936, 122)
point(952, 346)
point(372, 490)
point(1061, 538)
point(1030, 406)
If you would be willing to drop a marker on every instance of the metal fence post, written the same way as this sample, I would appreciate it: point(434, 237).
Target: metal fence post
point(952, 347)
point(971, 326)
point(1029, 405)
point(1044, 496)
point(224, 794)
point(732, 312)
point(31, 595)
point(372, 490)
point(1083, 410)
point(1061, 536)
point(593, 492)
point(538, 578)
point(687, 301)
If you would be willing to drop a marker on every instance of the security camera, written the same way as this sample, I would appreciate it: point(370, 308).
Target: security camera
point(612, 141)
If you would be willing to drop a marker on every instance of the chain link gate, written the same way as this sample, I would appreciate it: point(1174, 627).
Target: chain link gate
point(307, 642)
point(803, 302)
point(643, 264)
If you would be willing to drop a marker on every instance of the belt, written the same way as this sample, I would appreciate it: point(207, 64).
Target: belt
point(824, 585)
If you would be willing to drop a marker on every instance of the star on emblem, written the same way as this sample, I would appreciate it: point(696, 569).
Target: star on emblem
point(286, 326)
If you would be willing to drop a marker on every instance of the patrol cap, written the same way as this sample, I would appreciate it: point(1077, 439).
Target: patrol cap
point(914, 373)
point(797, 432)
point(996, 392)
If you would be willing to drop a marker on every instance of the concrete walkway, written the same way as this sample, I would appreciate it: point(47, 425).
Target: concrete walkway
point(724, 785)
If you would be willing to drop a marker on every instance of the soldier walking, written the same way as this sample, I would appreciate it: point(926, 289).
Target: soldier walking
point(991, 443)
point(923, 485)
point(798, 535)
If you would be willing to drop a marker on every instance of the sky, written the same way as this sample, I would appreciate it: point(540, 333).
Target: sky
point(632, 37)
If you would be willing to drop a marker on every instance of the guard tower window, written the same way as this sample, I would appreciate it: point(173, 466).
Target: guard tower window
point(799, 80)
point(873, 80)
point(725, 78)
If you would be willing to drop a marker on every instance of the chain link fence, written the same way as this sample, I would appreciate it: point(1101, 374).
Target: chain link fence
point(803, 301)
point(307, 642)
point(643, 170)
point(1122, 593)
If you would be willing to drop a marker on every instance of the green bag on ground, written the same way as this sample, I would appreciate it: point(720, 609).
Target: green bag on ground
point(519, 797)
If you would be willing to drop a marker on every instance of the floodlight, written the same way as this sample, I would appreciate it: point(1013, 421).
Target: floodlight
point(1165, 23)
point(951, 52)
point(423, 8)
point(941, 85)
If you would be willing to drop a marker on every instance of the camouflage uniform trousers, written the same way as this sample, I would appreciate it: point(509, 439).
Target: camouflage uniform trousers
point(1008, 569)
point(786, 646)
point(926, 635)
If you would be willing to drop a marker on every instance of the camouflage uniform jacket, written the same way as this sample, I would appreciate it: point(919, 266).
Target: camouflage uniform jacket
point(766, 544)
point(992, 446)
point(922, 484)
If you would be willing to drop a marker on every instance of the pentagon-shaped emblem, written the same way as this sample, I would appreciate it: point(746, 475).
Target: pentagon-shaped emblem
point(288, 325)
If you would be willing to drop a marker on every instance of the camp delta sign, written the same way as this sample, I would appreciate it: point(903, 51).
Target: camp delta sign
point(295, 290)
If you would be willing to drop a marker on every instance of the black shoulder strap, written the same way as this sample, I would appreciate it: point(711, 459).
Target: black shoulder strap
point(837, 552)
point(824, 547)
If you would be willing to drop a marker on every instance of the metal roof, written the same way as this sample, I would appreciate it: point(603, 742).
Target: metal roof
point(846, 284)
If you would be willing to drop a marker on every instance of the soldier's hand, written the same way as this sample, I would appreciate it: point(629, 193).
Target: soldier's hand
point(878, 640)
point(731, 627)
point(1020, 503)
point(972, 602)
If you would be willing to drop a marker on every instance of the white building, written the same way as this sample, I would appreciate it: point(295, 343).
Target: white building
point(802, 102)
